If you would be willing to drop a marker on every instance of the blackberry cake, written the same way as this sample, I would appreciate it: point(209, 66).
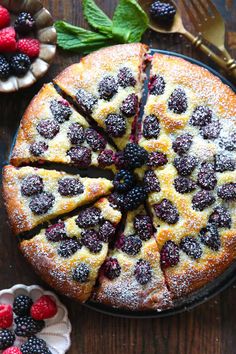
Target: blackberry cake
point(165, 226)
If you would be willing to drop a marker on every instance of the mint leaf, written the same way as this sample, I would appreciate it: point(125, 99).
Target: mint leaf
point(96, 17)
point(129, 21)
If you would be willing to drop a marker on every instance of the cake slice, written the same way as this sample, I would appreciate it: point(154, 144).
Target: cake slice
point(107, 86)
point(131, 276)
point(52, 131)
point(34, 195)
point(68, 255)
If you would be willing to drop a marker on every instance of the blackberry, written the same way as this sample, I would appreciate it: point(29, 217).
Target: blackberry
point(228, 142)
point(48, 128)
point(31, 185)
point(81, 273)
point(95, 140)
point(220, 217)
point(151, 127)
point(120, 161)
point(123, 181)
point(162, 12)
point(22, 305)
point(211, 131)
point(68, 247)
point(117, 200)
point(191, 247)
point(20, 64)
point(106, 231)
point(34, 345)
point(131, 245)
point(70, 187)
point(156, 159)
point(201, 116)
point(202, 200)
point(182, 143)
point(107, 87)
point(206, 177)
point(169, 254)
point(130, 105)
point(80, 156)
point(56, 232)
point(151, 182)
point(157, 85)
point(135, 197)
point(111, 268)
point(143, 272)
point(115, 125)
point(223, 163)
point(86, 100)
point(89, 217)
point(166, 211)
point(126, 78)
point(184, 185)
point(76, 134)
point(209, 236)
point(27, 326)
point(90, 239)
point(61, 110)
point(24, 23)
point(38, 149)
point(178, 102)
point(106, 158)
point(143, 227)
point(227, 191)
point(134, 155)
point(7, 338)
point(41, 203)
point(5, 69)
point(185, 165)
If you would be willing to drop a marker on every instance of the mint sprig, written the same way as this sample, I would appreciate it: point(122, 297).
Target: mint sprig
point(128, 24)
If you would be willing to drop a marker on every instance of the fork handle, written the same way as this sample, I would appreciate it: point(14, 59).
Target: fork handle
point(225, 65)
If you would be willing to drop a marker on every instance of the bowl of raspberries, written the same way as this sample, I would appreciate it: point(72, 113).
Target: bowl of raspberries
point(27, 43)
point(32, 321)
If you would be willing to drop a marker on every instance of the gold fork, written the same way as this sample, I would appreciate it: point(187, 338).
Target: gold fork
point(210, 24)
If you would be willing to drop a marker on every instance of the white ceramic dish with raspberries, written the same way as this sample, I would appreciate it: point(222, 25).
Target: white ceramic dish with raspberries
point(21, 333)
point(27, 43)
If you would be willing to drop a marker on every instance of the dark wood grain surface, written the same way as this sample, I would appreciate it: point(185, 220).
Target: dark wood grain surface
point(208, 329)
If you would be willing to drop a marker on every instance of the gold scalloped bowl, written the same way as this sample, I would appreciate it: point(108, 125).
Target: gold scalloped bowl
point(45, 33)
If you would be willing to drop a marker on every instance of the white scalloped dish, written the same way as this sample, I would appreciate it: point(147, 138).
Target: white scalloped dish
point(57, 329)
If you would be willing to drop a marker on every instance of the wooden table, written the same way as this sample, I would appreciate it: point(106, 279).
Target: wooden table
point(210, 328)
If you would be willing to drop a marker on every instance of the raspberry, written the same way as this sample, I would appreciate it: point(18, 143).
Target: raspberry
point(90, 239)
point(169, 254)
point(70, 187)
point(12, 350)
point(134, 155)
point(107, 87)
point(38, 148)
point(4, 17)
point(69, 247)
point(162, 12)
point(20, 64)
point(211, 130)
point(126, 78)
point(185, 165)
point(123, 181)
point(157, 85)
point(56, 233)
point(112, 268)
point(76, 134)
point(135, 197)
point(6, 316)
point(81, 273)
point(48, 128)
point(89, 217)
point(106, 231)
point(24, 23)
point(184, 185)
point(41, 203)
point(130, 105)
point(29, 46)
point(26, 326)
point(206, 177)
point(45, 307)
point(31, 185)
point(201, 116)
point(4, 68)
point(143, 272)
point(9, 31)
point(95, 140)
point(131, 245)
point(61, 110)
point(202, 200)
point(35, 345)
point(106, 158)
point(7, 40)
point(151, 127)
point(156, 159)
point(22, 305)
point(221, 217)
point(166, 211)
point(7, 338)
point(227, 191)
point(143, 227)
point(151, 182)
point(191, 247)
point(178, 101)
point(115, 125)
point(85, 100)
point(182, 143)
point(210, 237)
point(80, 156)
